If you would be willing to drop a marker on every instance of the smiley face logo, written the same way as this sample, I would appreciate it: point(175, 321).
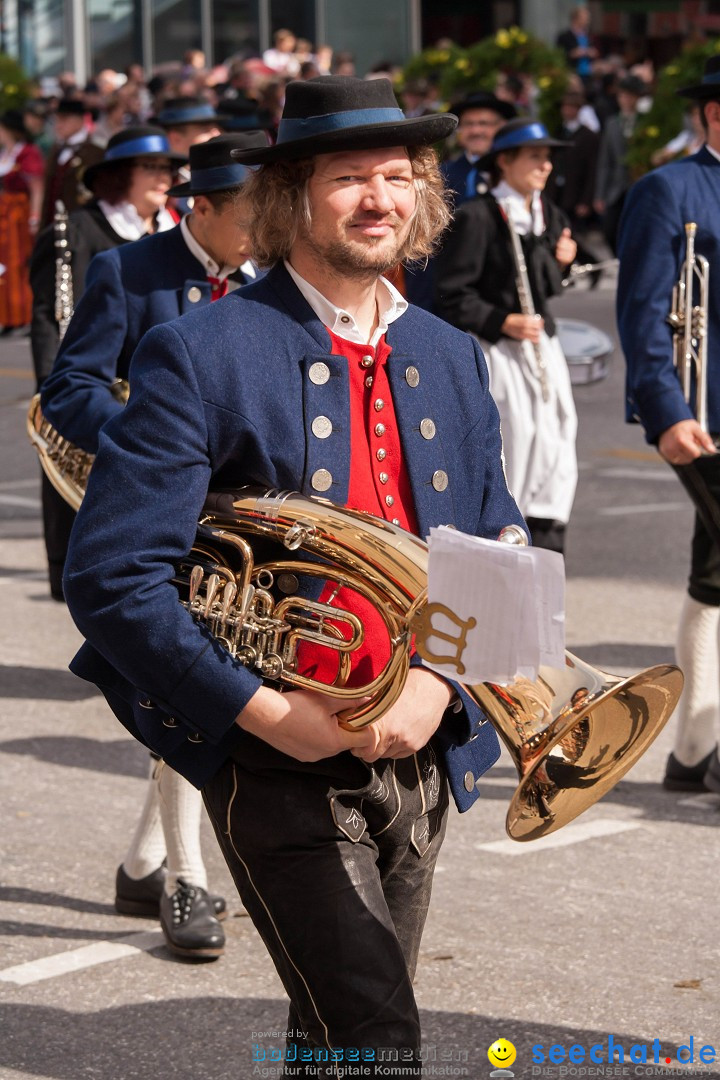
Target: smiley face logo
point(502, 1053)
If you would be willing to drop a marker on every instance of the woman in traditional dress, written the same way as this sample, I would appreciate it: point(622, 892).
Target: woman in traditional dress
point(479, 290)
point(21, 188)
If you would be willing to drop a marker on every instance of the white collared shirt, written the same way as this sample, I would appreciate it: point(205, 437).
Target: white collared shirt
point(390, 306)
point(206, 261)
point(513, 203)
point(124, 219)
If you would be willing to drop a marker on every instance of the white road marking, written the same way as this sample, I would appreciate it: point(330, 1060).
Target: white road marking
point(48, 967)
point(7, 485)
point(571, 834)
point(627, 472)
point(707, 800)
point(19, 500)
point(645, 508)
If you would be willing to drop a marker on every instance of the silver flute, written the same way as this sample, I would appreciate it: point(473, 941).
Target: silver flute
point(537, 360)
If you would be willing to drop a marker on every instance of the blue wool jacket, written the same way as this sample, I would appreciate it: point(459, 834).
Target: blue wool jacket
point(128, 290)
point(652, 249)
point(221, 398)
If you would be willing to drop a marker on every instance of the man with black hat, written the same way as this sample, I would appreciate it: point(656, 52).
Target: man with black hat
point(67, 161)
point(613, 175)
point(130, 289)
point(480, 114)
point(318, 378)
point(652, 247)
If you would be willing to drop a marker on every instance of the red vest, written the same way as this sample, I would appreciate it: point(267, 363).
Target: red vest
point(379, 484)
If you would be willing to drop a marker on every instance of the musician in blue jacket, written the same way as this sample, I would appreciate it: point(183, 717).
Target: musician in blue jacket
point(130, 289)
point(318, 378)
point(652, 248)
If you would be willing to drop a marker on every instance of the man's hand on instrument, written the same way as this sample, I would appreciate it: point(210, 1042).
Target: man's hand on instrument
point(302, 724)
point(566, 248)
point(684, 442)
point(523, 327)
point(412, 721)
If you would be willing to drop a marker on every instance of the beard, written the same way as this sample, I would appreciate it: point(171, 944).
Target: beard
point(364, 258)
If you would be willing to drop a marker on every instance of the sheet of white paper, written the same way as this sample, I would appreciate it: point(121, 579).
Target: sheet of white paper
point(515, 595)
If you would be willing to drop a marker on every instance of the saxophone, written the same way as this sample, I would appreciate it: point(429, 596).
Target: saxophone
point(64, 300)
point(572, 734)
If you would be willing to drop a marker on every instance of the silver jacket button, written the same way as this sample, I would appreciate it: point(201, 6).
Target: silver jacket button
point(194, 294)
point(379, 430)
point(379, 404)
point(321, 479)
point(389, 500)
point(381, 454)
point(367, 361)
point(427, 429)
point(412, 376)
point(319, 373)
point(383, 477)
point(170, 721)
point(440, 480)
point(468, 781)
point(321, 427)
point(195, 737)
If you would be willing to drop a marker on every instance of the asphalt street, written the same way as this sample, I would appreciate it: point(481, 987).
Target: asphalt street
point(605, 935)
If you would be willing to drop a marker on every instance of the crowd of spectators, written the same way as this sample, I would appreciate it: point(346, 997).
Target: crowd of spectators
point(605, 96)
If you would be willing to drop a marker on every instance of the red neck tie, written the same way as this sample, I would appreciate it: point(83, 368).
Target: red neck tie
point(219, 288)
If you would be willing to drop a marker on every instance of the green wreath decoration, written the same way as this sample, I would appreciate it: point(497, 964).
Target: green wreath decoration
point(14, 85)
point(460, 71)
point(664, 120)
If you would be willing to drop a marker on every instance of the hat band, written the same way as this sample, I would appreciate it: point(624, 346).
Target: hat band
point(528, 133)
point(218, 177)
point(713, 78)
point(148, 144)
point(299, 128)
point(186, 116)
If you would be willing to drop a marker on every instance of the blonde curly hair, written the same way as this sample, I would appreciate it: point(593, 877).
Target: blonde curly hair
point(276, 198)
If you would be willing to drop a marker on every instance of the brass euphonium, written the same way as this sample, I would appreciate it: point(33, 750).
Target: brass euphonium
point(572, 734)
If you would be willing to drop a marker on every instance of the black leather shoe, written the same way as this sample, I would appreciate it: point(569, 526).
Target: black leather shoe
point(139, 896)
point(189, 925)
point(142, 896)
point(688, 777)
point(712, 776)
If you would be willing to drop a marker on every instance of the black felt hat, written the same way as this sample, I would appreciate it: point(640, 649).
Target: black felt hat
point(516, 134)
point(142, 140)
point(176, 112)
point(337, 112)
point(709, 88)
point(13, 121)
point(213, 169)
point(71, 107)
point(242, 114)
point(483, 99)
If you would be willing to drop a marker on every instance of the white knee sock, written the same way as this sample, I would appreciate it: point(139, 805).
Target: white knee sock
point(698, 710)
point(147, 847)
point(180, 809)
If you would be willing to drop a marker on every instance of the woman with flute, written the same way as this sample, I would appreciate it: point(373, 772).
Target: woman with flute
point(502, 259)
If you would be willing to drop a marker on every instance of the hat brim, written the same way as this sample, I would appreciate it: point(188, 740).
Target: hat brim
point(487, 159)
point(416, 131)
point(701, 92)
point(92, 170)
point(502, 108)
point(184, 191)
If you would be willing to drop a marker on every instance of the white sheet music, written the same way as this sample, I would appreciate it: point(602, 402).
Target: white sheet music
point(516, 595)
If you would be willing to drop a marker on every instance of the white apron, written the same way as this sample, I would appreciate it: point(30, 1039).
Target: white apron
point(538, 436)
